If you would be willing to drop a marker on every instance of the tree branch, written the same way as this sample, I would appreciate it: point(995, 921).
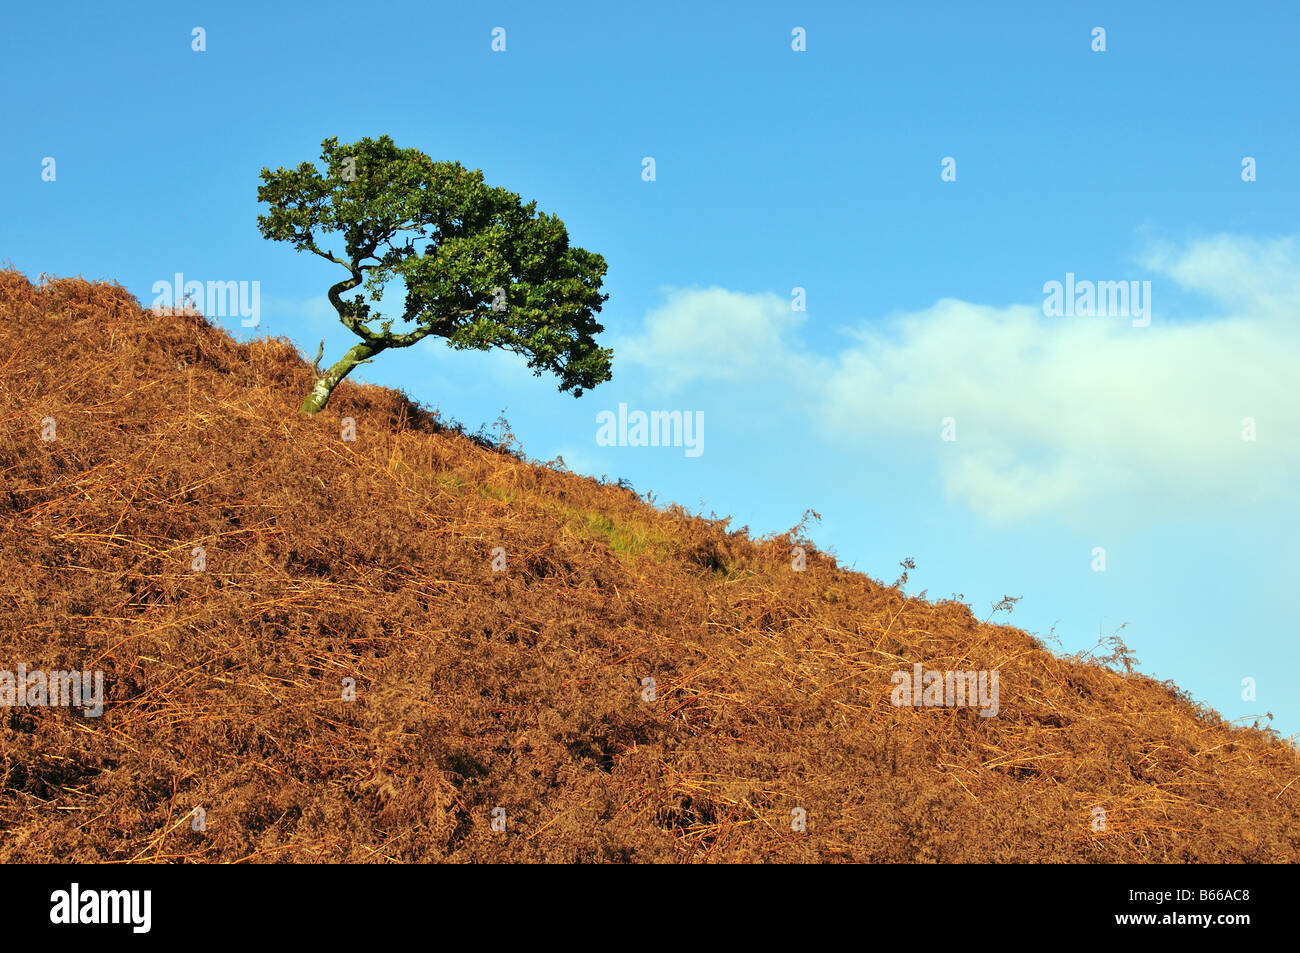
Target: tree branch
point(345, 310)
point(328, 256)
point(407, 339)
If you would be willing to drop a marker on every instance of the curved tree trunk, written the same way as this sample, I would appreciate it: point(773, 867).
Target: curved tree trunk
point(320, 393)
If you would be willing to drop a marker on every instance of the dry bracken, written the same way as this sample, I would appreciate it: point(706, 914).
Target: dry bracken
point(331, 563)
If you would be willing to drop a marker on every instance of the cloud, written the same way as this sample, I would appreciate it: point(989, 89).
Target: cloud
point(1245, 275)
point(712, 334)
point(1051, 414)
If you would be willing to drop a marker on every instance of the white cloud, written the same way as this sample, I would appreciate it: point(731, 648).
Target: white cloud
point(1051, 413)
point(1246, 275)
point(714, 334)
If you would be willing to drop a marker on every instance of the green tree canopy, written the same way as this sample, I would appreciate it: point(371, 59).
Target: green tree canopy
point(480, 268)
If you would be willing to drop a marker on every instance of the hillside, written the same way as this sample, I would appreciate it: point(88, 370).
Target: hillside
point(325, 560)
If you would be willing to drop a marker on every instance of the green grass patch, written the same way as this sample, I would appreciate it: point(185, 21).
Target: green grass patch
point(624, 539)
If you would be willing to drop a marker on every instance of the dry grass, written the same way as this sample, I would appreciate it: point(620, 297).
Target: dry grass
point(372, 560)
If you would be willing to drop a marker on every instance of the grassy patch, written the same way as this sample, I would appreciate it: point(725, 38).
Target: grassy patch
point(625, 539)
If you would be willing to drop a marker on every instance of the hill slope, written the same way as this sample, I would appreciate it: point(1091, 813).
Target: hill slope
point(371, 560)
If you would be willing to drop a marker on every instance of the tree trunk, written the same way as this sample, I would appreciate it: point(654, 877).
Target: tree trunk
point(320, 393)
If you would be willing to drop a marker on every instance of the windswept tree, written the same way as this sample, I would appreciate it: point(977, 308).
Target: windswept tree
point(480, 268)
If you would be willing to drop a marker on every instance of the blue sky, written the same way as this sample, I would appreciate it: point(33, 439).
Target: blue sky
point(778, 169)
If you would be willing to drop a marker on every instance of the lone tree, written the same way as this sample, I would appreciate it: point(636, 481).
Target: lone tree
point(480, 268)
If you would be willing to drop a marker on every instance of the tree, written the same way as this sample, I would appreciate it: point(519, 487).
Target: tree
point(480, 268)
